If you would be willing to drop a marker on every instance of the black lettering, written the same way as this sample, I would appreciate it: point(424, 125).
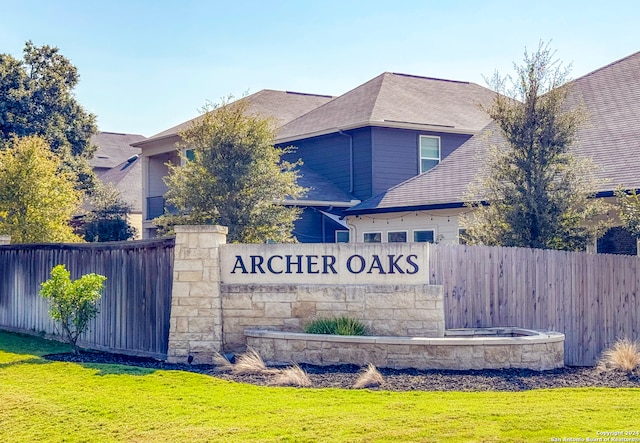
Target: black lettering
point(376, 265)
point(412, 263)
point(297, 263)
point(256, 263)
point(393, 264)
point(327, 263)
point(362, 264)
point(270, 266)
point(311, 264)
point(239, 264)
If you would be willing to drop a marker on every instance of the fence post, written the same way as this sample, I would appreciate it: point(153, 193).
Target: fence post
point(5, 239)
point(195, 331)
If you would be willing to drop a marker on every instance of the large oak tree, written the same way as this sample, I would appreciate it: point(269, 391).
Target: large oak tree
point(37, 98)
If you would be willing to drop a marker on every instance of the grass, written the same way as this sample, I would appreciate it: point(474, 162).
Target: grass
point(336, 326)
point(624, 355)
point(369, 378)
point(42, 401)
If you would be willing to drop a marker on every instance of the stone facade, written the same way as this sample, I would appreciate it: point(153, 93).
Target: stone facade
point(196, 315)
point(386, 310)
point(537, 351)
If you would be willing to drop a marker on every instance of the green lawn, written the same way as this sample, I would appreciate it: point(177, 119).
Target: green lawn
point(55, 401)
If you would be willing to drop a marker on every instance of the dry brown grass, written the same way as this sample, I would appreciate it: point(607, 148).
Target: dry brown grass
point(251, 363)
point(221, 363)
point(370, 378)
point(624, 355)
point(292, 376)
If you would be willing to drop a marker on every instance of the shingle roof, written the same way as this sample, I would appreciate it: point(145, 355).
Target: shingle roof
point(398, 100)
point(611, 137)
point(283, 106)
point(113, 148)
point(127, 177)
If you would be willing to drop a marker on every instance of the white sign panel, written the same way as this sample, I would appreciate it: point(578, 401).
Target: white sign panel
point(344, 263)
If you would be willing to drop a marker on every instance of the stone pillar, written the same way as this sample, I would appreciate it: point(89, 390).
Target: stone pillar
point(5, 239)
point(196, 307)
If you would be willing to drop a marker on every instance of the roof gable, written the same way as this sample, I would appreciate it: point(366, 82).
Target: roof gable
point(398, 100)
point(281, 106)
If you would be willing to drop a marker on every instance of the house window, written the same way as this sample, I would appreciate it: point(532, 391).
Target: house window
point(372, 237)
point(429, 152)
point(342, 236)
point(423, 236)
point(397, 237)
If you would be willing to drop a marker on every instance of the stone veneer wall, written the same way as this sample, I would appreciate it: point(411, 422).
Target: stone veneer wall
point(540, 351)
point(196, 316)
point(386, 310)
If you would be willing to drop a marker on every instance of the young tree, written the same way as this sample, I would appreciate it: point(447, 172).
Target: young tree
point(534, 193)
point(107, 220)
point(73, 303)
point(36, 98)
point(37, 200)
point(236, 177)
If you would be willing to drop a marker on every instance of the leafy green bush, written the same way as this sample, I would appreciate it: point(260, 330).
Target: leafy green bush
point(336, 326)
point(73, 303)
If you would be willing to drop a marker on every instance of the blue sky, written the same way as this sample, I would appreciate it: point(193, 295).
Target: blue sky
point(146, 66)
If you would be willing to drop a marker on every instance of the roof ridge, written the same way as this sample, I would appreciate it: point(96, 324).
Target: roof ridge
point(384, 76)
point(430, 78)
point(608, 65)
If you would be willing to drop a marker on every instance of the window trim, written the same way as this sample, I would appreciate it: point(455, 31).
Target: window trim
point(413, 235)
point(397, 231)
point(372, 232)
point(420, 157)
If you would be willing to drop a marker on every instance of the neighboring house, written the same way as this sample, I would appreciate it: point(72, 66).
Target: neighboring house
point(375, 136)
point(116, 161)
point(158, 150)
point(428, 207)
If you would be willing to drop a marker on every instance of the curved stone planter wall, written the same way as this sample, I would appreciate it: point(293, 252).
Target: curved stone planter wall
point(488, 348)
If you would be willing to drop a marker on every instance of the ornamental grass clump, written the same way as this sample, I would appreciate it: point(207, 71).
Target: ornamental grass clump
point(336, 326)
point(251, 363)
point(624, 355)
point(292, 376)
point(369, 378)
point(73, 303)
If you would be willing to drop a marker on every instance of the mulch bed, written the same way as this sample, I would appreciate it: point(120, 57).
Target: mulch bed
point(344, 376)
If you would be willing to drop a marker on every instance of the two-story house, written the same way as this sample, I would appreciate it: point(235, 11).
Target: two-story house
point(375, 136)
point(354, 146)
point(428, 206)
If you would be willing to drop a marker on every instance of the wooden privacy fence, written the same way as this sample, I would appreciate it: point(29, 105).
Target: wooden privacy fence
point(134, 309)
point(591, 298)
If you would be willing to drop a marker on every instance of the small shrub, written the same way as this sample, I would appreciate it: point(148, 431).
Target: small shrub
point(292, 376)
point(370, 378)
point(336, 326)
point(73, 303)
point(624, 355)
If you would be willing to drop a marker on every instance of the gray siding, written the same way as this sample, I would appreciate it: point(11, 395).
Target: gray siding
point(329, 155)
point(395, 154)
